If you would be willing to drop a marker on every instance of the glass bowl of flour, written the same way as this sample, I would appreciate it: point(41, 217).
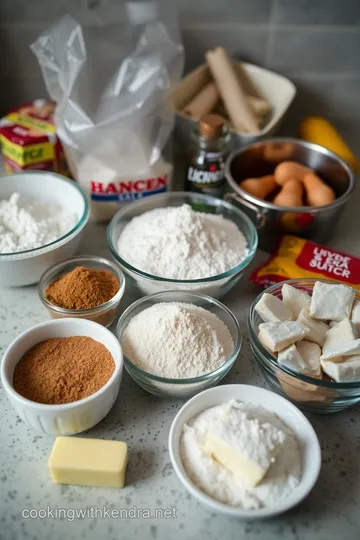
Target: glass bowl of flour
point(177, 344)
point(182, 241)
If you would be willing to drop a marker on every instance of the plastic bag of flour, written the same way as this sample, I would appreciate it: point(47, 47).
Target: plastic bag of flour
point(111, 79)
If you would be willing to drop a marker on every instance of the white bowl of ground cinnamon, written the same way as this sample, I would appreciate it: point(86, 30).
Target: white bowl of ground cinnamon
point(85, 286)
point(63, 376)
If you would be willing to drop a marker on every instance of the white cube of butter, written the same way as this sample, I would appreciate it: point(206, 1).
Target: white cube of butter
point(88, 462)
point(333, 323)
point(317, 329)
point(341, 333)
point(278, 336)
point(350, 348)
point(262, 341)
point(346, 371)
point(331, 302)
point(295, 300)
point(244, 446)
point(310, 354)
point(290, 358)
point(355, 314)
point(271, 309)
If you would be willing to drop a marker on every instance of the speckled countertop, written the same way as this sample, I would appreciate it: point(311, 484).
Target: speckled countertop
point(330, 512)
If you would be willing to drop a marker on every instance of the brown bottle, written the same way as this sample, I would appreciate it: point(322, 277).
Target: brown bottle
point(210, 147)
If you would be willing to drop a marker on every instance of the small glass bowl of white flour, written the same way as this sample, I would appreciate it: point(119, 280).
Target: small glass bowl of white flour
point(176, 343)
point(182, 241)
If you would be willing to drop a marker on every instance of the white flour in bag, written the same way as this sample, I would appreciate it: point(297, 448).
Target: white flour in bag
point(108, 188)
point(177, 340)
point(181, 243)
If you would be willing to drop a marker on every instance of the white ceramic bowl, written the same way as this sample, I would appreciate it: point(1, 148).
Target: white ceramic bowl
point(288, 413)
point(26, 267)
point(73, 417)
point(275, 88)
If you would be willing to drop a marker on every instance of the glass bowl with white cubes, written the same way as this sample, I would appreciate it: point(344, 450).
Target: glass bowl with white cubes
point(305, 337)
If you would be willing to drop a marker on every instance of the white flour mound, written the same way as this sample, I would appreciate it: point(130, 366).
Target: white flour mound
point(28, 224)
point(280, 480)
point(181, 243)
point(176, 340)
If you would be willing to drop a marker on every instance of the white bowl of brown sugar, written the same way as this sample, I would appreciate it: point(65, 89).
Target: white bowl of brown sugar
point(63, 376)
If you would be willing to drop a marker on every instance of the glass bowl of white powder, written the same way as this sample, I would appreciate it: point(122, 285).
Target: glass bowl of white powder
point(182, 241)
point(176, 344)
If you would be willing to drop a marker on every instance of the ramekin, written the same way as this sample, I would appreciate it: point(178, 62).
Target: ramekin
point(68, 418)
point(103, 314)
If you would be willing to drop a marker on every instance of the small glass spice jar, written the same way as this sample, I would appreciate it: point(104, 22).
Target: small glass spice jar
point(209, 149)
point(105, 313)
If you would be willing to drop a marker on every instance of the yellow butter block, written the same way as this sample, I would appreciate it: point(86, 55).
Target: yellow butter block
point(243, 444)
point(249, 472)
point(88, 462)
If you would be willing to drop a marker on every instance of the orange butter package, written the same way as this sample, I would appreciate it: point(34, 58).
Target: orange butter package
point(298, 258)
point(29, 141)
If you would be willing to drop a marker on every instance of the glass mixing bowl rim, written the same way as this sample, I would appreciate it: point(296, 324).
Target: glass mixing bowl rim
point(105, 306)
point(197, 197)
point(190, 380)
point(259, 347)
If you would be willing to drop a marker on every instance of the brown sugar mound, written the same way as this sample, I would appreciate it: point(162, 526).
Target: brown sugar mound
point(82, 288)
point(63, 370)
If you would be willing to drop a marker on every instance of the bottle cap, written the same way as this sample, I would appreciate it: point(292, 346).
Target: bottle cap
point(211, 125)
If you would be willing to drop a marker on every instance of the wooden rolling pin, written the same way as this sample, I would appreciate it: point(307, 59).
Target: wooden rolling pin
point(234, 97)
point(204, 102)
point(260, 106)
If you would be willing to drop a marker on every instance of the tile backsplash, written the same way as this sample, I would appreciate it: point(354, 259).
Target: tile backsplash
point(314, 42)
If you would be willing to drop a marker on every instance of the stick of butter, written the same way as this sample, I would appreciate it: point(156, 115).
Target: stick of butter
point(244, 446)
point(88, 462)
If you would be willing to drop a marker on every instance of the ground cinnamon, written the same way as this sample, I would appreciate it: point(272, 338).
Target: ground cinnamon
point(82, 288)
point(63, 370)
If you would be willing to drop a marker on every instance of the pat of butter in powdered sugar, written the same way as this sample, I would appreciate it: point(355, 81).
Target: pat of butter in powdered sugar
point(243, 445)
point(281, 472)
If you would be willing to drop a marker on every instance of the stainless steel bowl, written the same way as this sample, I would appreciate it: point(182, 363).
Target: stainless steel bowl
point(271, 220)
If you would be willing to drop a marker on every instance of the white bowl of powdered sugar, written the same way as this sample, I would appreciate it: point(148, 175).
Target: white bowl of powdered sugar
point(182, 241)
point(176, 344)
point(244, 451)
point(42, 217)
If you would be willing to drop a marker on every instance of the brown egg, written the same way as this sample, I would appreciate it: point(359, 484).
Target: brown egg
point(259, 187)
point(290, 170)
point(291, 194)
point(317, 192)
